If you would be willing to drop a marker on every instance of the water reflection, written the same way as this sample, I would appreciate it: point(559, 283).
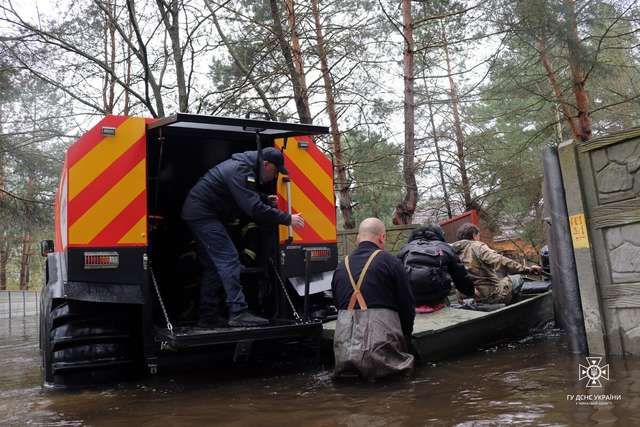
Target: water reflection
point(526, 383)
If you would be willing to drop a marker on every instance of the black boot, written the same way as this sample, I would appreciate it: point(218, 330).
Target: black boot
point(245, 318)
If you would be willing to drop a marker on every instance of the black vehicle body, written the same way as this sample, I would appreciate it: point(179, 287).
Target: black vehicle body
point(113, 311)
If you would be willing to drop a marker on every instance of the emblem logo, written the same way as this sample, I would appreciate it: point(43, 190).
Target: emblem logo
point(593, 372)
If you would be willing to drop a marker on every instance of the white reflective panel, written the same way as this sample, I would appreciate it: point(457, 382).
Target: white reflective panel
point(317, 283)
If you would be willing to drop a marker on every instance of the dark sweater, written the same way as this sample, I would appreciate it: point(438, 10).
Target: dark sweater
point(384, 286)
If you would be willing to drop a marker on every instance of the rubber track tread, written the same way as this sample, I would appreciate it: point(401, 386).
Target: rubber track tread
point(90, 343)
point(66, 342)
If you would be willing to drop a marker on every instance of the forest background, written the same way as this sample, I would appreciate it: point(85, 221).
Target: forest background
point(435, 107)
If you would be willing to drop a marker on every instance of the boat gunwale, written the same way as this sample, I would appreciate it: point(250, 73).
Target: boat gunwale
point(485, 315)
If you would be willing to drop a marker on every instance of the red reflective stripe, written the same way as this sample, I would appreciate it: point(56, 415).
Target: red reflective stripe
point(105, 181)
point(122, 223)
point(308, 234)
point(312, 192)
point(318, 156)
point(92, 138)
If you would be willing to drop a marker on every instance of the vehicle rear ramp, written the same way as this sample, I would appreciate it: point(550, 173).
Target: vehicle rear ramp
point(187, 337)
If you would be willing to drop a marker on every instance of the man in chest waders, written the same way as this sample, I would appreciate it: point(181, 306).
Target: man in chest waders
point(375, 309)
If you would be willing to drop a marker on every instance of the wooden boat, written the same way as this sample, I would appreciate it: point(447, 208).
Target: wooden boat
point(453, 331)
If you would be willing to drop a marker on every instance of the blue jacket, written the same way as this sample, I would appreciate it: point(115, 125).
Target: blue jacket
point(228, 190)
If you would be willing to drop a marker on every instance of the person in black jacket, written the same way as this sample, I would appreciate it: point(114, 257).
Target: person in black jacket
point(431, 265)
point(225, 191)
point(375, 309)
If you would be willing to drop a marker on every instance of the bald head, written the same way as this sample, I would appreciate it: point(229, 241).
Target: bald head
point(372, 230)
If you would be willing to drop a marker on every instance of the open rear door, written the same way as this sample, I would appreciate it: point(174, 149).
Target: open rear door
point(308, 190)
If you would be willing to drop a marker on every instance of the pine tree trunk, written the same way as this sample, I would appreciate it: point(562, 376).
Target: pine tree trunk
point(105, 48)
point(171, 18)
point(457, 125)
point(343, 185)
point(112, 61)
point(299, 85)
point(298, 62)
point(127, 75)
point(406, 208)
point(109, 47)
point(25, 256)
point(555, 86)
point(4, 259)
point(25, 261)
point(577, 73)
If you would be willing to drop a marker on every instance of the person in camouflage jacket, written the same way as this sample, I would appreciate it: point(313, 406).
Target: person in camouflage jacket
point(483, 263)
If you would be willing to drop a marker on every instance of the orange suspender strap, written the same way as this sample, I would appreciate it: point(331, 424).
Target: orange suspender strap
point(357, 296)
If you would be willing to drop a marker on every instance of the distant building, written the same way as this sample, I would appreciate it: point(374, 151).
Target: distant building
point(507, 239)
point(510, 244)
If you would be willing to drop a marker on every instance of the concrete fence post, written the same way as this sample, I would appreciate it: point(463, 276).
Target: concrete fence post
point(566, 292)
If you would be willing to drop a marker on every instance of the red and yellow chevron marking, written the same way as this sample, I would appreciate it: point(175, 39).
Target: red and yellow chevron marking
point(107, 197)
point(311, 174)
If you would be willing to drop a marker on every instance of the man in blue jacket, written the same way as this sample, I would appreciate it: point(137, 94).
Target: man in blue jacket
point(230, 188)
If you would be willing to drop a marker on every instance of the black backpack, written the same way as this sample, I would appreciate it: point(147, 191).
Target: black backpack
point(425, 264)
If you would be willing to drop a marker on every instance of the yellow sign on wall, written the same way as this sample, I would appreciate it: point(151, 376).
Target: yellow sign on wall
point(579, 231)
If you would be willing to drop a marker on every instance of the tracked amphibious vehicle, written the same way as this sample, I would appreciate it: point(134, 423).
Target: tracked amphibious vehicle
point(122, 275)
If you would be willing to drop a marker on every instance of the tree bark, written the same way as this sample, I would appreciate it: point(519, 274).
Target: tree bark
point(25, 254)
point(406, 208)
point(25, 260)
point(343, 185)
point(108, 87)
point(171, 18)
point(578, 76)
point(457, 125)
point(4, 259)
point(296, 52)
point(112, 81)
point(300, 95)
point(553, 81)
point(127, 74)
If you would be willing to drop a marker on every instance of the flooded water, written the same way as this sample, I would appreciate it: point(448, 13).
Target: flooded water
point(532, 382)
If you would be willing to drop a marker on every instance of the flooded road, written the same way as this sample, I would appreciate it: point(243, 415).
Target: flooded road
point(527, 383)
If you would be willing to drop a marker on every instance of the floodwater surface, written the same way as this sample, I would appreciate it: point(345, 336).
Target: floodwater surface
point(531, 382)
